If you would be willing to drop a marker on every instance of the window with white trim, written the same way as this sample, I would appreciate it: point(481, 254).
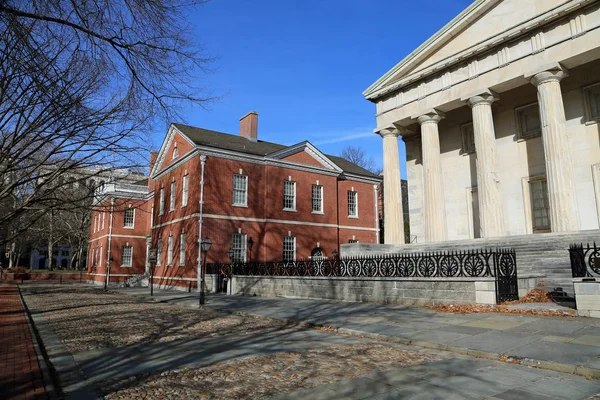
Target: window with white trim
point(185, 190)
point(238, 246)
point(182, 249)
point(95, 223)
point(240, 190)
point(172, 197)
point(540, 206)
point(528, 121)
point(289, 195)
point(159, 251)
point(592, 100)
point(352, 203)
point(127, 256)
point(101, 255)
point(161, 204)
point(170, 250)
point(128, 217)
point(103, 218)
point(289, 248)
point(175, 152)
point(468, 138)
point(317, 198)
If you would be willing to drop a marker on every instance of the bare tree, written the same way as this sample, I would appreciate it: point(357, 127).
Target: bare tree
point(358, 156)
point(81, 84)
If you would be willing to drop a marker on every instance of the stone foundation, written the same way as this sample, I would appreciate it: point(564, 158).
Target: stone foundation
point(401, 291)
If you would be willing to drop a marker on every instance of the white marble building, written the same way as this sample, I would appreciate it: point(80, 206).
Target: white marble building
point(500, 114)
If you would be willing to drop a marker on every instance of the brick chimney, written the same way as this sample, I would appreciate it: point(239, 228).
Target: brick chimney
point(249, 126)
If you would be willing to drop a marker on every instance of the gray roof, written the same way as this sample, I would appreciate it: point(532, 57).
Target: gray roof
point(226, 141)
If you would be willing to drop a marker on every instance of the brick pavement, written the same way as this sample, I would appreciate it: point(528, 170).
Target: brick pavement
point(20, 373)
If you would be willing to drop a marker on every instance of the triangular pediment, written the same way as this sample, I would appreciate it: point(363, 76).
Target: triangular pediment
point(175, 146)
point(482, 25)
point(306, 154)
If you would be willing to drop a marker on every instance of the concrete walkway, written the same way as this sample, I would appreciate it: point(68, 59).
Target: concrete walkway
point(565, 344)
point(20, 373)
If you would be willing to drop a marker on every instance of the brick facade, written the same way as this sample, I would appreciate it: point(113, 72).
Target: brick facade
point(262, 218)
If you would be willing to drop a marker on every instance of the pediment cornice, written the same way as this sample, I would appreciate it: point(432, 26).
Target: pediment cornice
point(394, 79)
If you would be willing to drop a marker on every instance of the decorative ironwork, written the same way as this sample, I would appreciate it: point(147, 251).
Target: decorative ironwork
point(470, 263)
point(500, 264)
point(583, 260)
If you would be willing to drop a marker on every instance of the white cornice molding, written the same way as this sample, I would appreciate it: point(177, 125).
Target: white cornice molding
point(379, 88)
point(188, 156)
point(433, 43)
point(361, 178)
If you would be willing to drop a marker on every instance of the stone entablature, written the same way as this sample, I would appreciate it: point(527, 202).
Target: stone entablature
point(541, 33)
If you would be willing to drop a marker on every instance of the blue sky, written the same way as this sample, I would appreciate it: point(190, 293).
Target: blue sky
point(303, 65)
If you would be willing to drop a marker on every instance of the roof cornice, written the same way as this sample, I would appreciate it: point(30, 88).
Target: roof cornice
point(433, 43)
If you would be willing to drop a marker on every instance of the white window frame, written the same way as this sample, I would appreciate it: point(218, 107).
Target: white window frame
point(123, 264)
point(125, 225)
point(355, 195)
point(185, 184)
point(172, 197)
point(286, 240)
point(101, 251)
point(95, 223)
point(161, 201)
point(238, 246)
point(243, 178)
point(465, 131)
point(182, 248)
point(319, 198)
point(103, 218)
point(291, 184)
point(589, 116)
point(518, 112)
point(170, 251)
point(175, 152)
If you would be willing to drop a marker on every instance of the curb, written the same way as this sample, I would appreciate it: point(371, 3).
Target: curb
point(67, 375)
point(48, 374)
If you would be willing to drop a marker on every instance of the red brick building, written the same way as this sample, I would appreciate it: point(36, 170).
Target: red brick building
point(290, 202)
point(119, 231)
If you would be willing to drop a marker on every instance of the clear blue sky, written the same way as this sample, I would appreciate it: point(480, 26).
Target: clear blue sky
point(303, 65)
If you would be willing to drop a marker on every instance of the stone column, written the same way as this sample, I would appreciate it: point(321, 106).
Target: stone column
point(564, 216)
point(491, 218)
point(392, 192)
point(433, 187)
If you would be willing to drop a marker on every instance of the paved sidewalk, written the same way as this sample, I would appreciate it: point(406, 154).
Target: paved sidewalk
point(565, 344)
point(20, 373)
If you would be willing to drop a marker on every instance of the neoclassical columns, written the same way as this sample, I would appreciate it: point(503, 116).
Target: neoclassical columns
point(559, 167)
point(491, 218)
point(435, 212)
point(392, 191)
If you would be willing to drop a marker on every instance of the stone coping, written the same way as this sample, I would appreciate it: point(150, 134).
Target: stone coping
point(588, 279)
point(417, 279)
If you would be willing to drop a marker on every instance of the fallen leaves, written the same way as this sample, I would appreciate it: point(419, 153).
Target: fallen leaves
point(473, 309)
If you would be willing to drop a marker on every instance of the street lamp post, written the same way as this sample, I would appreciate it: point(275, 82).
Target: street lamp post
point(204, 247)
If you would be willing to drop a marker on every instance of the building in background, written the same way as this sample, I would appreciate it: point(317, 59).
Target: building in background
point(255, 200)
point(408, 238)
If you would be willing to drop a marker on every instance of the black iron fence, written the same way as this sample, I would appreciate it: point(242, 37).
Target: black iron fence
point(498, 263)
point(583, 260)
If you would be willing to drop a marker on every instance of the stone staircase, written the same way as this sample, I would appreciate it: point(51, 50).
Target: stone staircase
point(540, 254)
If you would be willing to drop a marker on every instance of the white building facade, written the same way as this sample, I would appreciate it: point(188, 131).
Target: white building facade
point(500, 115)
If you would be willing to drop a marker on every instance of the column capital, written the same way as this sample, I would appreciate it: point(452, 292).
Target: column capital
point(549, 73)
point(430, 116)
point(394, 130)
point(485, 96)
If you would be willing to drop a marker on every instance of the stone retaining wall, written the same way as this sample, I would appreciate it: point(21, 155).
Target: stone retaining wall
point(402, 291)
